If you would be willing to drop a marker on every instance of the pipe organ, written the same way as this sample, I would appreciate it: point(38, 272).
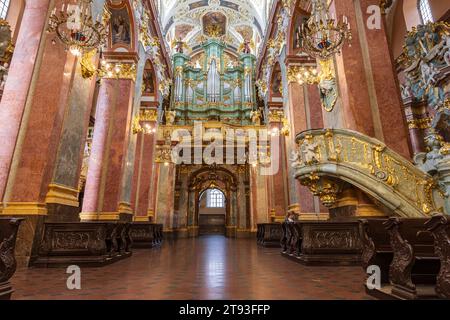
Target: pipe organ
point(211, 88)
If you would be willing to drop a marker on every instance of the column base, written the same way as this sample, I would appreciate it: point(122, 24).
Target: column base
point(106, 216)
point(176, 233)
point(294, 208)
point(230, 231)
point(141, 219)
point(192, 231)
point(245, 233)
point(313, 216)
point(23, 208)
point(59, 194)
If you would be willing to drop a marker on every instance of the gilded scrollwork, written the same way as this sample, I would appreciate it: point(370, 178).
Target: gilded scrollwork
point(367, 158)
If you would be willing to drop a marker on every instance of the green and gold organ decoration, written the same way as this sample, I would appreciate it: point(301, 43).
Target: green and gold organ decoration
point(215, 86)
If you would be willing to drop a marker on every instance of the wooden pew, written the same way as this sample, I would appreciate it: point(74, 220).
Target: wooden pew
point(269, 234)
point(376, 246)
point(145, 234)
point(323, 242)
point(159, 235)
point(82, 243)
point(439, 226)
point(414, 267)
point(8, 235)
point(284, 237)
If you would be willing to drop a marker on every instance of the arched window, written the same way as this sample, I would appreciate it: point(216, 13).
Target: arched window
point(215, 199)
point(4, 4)
point(425, 11)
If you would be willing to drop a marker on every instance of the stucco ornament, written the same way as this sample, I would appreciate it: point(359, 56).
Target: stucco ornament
point(425, 54)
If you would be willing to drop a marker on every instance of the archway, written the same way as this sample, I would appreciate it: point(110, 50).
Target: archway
point(207, 178)
point(212, 212)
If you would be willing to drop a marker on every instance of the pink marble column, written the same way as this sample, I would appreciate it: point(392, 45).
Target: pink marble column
point(25, 61)
point(165, 195)
point(393, 119)
point(109, 146)
point(154, 180)
point(38, 148)
point(280, 196)
point(142, 177)
point(369, 91)
point(300, 114)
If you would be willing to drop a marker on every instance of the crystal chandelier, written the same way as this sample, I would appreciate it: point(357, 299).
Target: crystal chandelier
point(322, 35)
point(76, 28)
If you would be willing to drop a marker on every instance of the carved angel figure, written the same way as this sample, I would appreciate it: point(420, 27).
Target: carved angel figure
point(428, 72)
point(3, 75)
point(446, 50)
point(170, 117)
point(296, 159)
point(405, 91)
point(308, 150)
point(256, 117)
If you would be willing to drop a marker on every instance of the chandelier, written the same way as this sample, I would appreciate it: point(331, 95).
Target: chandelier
point(76, 28)
point(322, 35)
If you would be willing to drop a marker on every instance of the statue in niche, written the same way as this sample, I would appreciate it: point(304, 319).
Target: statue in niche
point(245, 48)
point(256, 117)
point(170, 117)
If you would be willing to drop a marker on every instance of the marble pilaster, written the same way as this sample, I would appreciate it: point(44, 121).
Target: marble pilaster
point(109, 154)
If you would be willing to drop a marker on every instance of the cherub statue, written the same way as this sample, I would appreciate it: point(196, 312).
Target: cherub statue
point(170, 117)
point(428, 73)
point(256, 117)
point(405, 91)
point(296, 159)
point(308, 150)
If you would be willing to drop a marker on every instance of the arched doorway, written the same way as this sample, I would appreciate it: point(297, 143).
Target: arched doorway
point(212, 178)
point(212, 212)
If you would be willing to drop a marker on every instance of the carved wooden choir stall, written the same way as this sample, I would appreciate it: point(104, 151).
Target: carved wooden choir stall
point(412, 253)
point(146, 234)
point(93, 243)
point(322, 242)
point(269, 234)
point(83, 243)
point(8, 235)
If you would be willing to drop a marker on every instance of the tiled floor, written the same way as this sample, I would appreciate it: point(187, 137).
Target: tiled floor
point(210, 267)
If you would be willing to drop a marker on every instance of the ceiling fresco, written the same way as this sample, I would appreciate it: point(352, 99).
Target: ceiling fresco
point(239, 20)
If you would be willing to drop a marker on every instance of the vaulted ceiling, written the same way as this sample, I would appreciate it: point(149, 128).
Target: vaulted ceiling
point(185, 19)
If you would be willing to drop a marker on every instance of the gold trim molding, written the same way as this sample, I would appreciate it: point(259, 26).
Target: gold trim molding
point(99, 216)
point(125, 207)
point(141, 219)
point(62, 195)
point(24, 208)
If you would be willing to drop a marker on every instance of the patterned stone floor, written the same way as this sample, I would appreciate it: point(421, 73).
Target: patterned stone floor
point(210, 267)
